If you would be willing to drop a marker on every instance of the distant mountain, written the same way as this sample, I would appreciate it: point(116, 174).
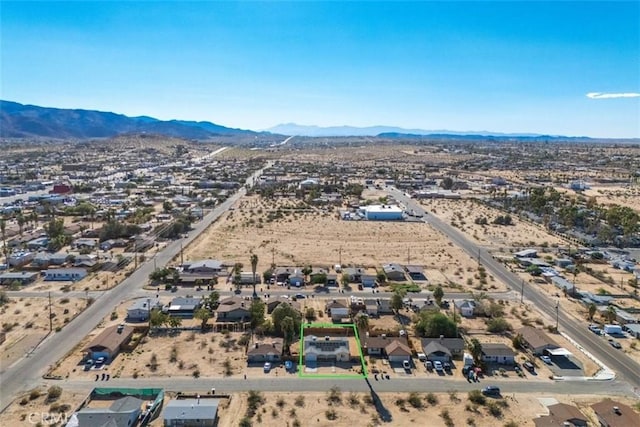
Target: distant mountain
point(293, 129)
point(28, 121)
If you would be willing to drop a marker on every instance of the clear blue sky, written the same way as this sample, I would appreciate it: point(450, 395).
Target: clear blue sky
point(521, 66)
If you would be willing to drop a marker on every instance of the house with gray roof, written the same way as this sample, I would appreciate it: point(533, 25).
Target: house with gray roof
point(199, 412)
point(442, 348)
point(184, 307)
point(394, 272)
point(233, 309)
point(498, 353)
point(205, 266)
point(326, 349)
point(123, 412)
point(140, 309)
point(22, 277)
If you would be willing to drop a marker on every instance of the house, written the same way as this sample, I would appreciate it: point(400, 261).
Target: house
point(37, 244)
point(466, 308)
point(454, 347)
point(498, 353)
point(109, 342)
point(382, 213)
point(233, 309)
point(123, 412)
point(281, 274)
point(44, 259)
point(205, 266)
point(394, 272)
point(84, 243)
point(562, 283)
point(20, 258)
point(184, 307)
point(326, 349)
point(376, 345)
point(633, 329)
point(415, 272)
point(272, 303)
point(186, 279)
point(352, 274)
point(368, 281)
point(64, 274)
point(140, 309)
point(435, 351)
point(611, 413)
point(318, 272)
point(562, 415)
point(270, 351)
point(23, 278)
point(107, 245)
point(527, 253)
point(191, 412)
point(338, 310)
point(536, 340)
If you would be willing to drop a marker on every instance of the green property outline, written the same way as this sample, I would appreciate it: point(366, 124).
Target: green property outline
point(301, 372)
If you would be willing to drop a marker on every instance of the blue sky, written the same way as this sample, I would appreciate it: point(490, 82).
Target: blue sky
point(520, 66)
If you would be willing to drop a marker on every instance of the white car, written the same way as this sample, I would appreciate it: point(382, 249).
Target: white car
point(406, 364)
point(267, 367)
point(546, 359)
point(437, 365)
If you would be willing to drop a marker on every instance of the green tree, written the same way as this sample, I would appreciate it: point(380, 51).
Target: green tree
point(592, 310)
point(610, 314)
point(213, 300)
point(288, 328)
point(174, 322)
point(396, 302)
point(158, 318)
point(518, 342)
point(203, 315)
point(362, 322)
point(21, 221)
point(434, 324)
point(307, 271)
point(475, 348)
point(167, 206)
point(257, 310)
point(438, 293)
point(280, 312)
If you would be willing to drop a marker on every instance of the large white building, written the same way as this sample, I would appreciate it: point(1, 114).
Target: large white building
point(382, 212)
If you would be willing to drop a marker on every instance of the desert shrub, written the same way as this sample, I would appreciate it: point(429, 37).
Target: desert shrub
point(476, 397)
point(446, 417)
point(254, 400)
point(415, 400)
point(54, 393)
point(34, 394)
point(334, 396)
point(354, 400)
point(494, 409)
point(331, 414)
point(280, 402)
point(299, 402)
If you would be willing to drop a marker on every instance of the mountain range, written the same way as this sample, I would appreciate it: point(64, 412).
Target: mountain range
point(29, 121)
point(293, 129)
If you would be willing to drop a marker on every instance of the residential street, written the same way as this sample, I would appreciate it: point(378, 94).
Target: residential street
point(28, 371)
point(626, 368)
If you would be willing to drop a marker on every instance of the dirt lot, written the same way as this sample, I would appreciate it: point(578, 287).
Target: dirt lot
point(34, 407)
point(463, 213)
point(26, 321)
point(288, 233)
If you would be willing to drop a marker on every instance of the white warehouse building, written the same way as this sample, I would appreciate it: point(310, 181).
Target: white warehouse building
point(382, 213)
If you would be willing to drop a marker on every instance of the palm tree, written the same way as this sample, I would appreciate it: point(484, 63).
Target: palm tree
point(610, 314)
point(21, 221)
point(592, 310)
point(254, 267)
point(362, 322)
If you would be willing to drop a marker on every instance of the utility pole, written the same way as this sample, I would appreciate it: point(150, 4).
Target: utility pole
point(408, 255)
point(522, 292)
point(478, 257)
point(181, 255)
point(273, 256)
point(557, 313)
point(149, 311)
point(50, 315)
point(340, 256)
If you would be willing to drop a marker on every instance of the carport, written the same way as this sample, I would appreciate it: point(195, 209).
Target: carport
point(558, 352)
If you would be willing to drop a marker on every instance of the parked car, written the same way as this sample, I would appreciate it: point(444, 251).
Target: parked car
point(267, 367)
point(428, 365)
point(529, 367)
point(437, 365)
point(406, 365)
point(546, 359)
point(447, 366)
point(491, 390)
point(88, 364)
point(614, 343)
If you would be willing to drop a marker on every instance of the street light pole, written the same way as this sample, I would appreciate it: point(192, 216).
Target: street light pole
point(522, 292)
point(557, 313)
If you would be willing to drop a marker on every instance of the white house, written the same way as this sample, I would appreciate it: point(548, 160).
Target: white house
point(466, 308)
point(498, 353)
point(337, 310)
point(139, 310)
point(327, 349)
point(65, 274)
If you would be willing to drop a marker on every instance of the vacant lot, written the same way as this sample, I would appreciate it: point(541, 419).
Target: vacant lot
point(26, 322)
point(289, 232)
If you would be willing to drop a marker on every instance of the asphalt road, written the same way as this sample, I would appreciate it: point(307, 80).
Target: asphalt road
point(625, 367)
point(28, 371)
point(292, 383)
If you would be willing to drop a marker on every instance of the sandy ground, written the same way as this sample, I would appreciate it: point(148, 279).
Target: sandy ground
point(29, 318)
point(307, 235)
point(462, 214)
point(32, 412)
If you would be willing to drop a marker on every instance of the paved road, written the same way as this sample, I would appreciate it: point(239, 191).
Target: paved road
point(626, 368)
point(28, 371)
point(293, 383)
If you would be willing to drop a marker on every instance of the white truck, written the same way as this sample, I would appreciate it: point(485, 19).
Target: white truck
point(612, 329)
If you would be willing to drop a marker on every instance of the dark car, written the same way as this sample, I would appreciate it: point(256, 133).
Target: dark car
point(529, 366)
point(491, 390)
point(447, 366)
point(615, 344)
